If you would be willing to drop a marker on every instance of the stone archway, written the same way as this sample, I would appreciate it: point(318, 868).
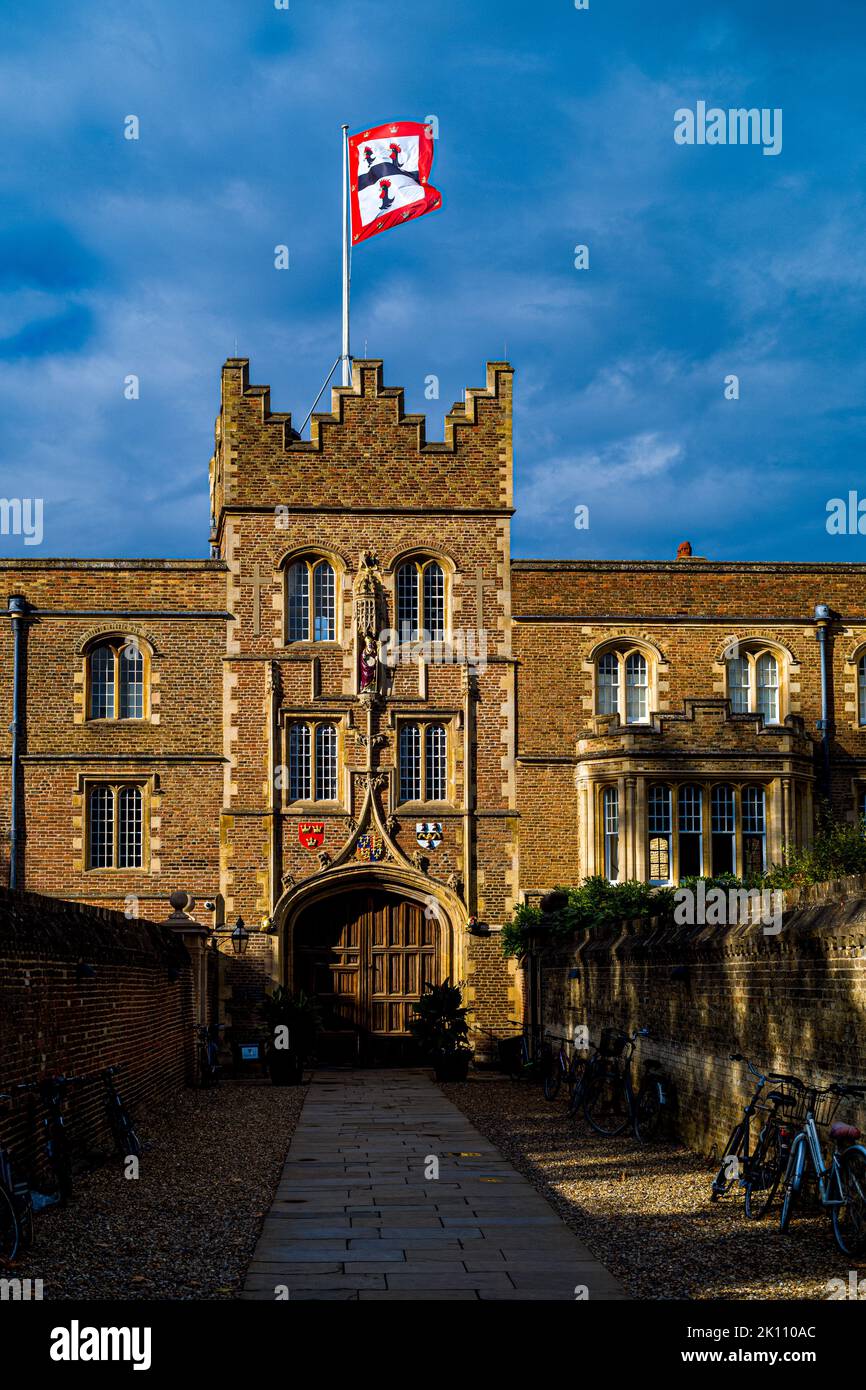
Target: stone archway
point(365, 941)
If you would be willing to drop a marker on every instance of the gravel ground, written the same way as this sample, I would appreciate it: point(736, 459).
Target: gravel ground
point(186, 1228)
point(644, 1210)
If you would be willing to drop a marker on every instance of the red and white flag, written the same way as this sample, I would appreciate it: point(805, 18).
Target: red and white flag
point(389, 168)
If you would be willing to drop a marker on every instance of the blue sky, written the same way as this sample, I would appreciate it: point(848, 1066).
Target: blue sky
point(155, 257)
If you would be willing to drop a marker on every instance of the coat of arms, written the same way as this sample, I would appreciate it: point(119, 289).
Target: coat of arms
point(369, 847)
point(311, 833)
point(428, 833)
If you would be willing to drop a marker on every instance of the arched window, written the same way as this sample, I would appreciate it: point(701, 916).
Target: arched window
point(753, 683)
point(420, 590)
point(861, 689)
point(115, 827)
point(313, 762)
point(723, 830)
point(306, 621)
point(636, 688)
point(116, 679)
point(623, 684)
point(608, 684)
point(754, 817)
point(423, 760)
point(659, 834)
point(610, 822)
point(767, 683)
point(691, 842)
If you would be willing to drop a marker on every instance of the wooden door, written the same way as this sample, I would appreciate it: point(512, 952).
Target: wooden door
point(367, 955)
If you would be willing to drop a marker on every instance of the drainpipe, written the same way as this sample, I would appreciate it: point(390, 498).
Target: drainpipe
point(822, 620)
point(18, 611)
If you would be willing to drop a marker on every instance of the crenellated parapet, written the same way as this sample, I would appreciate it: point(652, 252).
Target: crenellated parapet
point(367, 451)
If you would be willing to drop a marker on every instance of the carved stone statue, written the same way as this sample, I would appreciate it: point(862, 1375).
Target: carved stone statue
point(368, 613)
point(368, 662)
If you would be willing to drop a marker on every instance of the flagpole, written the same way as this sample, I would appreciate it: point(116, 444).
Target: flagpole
point(346, 359)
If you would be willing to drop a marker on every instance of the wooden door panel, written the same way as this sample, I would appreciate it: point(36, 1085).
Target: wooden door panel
point(367, 956)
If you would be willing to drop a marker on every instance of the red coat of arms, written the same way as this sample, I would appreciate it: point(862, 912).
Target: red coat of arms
point(311, 833)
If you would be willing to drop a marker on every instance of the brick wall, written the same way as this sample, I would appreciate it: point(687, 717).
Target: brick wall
point(135, 1011)
point(793, 1002)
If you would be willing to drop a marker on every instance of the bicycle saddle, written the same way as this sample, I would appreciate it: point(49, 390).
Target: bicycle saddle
point(846, 1133)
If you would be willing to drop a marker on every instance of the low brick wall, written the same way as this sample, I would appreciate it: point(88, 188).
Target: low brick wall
point(135, 1010)
point(793, 1002)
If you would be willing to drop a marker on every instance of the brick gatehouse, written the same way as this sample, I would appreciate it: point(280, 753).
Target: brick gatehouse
point(368, 731)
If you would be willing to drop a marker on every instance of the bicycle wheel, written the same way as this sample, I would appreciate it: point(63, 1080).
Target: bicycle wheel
point(793, 1182)
point(126, 1141)
point(849, 1219)
point(729, 1164)
point(61, 1162)
point(576, 1068)
point(764, 1172)
point(552, 1075)
point(9, 1233)
point(647, 1112)
point(26, 1232)
point(604, 1104)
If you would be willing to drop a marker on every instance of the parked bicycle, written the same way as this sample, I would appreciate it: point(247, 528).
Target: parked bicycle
point(559, 1067)
point(609, 1098)
point(758, 1171)
point(16, 1206)
point(52, 1091)
point(522, 1056)
point(126, 1141)
point(841, 1181)
point(209, 1068)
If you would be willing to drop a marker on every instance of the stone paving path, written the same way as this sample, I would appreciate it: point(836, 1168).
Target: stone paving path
point(355, 1217)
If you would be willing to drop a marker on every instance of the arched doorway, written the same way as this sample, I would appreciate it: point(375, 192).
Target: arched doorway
point(366, 953)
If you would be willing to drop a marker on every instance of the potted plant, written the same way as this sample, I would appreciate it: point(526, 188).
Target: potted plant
point(293, 1021)
point(441, 1031)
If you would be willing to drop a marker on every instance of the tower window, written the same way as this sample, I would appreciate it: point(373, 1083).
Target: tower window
point(306, 621)
point(423, 760)
point(420, 590)
point(313, 762)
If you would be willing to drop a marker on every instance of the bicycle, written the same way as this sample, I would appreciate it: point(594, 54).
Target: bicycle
point(16, 1207)
point(209, 1069)
point(520, 1056)
point(52, 1092)
point(609, 1098)
point(126, 1141)
point(841, 1182)
point(759, 1171)
point(559, 1068)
